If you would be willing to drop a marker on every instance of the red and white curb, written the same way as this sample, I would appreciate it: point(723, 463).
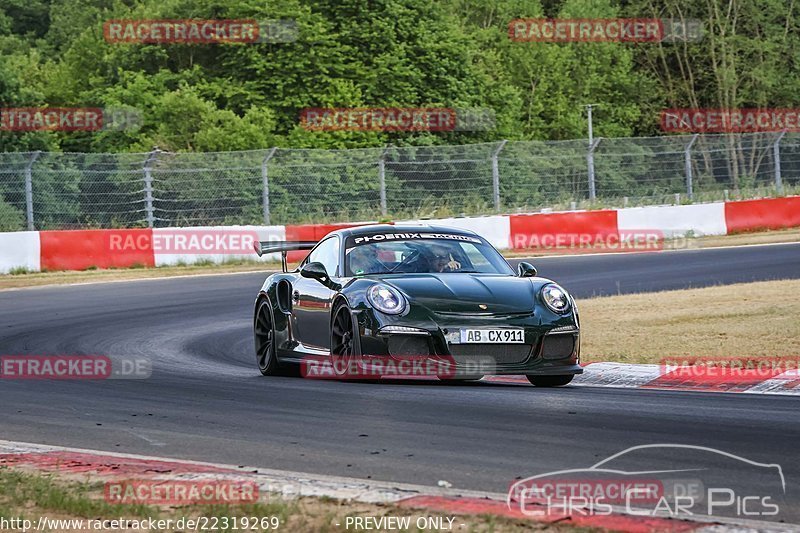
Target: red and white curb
point(779, 380)
point(112, 466)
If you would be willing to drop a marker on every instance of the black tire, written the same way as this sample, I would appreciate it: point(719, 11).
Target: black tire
point(345, 348)
point(264, 334)
point(550, 381)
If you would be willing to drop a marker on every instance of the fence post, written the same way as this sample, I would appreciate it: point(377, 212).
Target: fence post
point(776, 154)
point(496, 175)
point(382, 178)
point(265, 185)
point(687, 163)
point(590, 165)
point(29, 189)
point(148, 187)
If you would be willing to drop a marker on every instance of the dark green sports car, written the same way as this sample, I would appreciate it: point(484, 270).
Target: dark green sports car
point(372, 301)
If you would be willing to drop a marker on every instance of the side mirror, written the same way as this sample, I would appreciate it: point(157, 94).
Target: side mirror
point(316, 270)
point(526, 270)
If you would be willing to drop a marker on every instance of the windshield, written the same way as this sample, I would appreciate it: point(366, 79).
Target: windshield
point(443, 253)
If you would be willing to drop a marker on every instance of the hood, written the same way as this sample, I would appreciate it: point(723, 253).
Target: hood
point(463, 293)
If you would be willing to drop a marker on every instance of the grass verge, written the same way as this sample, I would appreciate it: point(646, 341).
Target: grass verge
point(72, 277)
point(743, 320)
point(31, 496)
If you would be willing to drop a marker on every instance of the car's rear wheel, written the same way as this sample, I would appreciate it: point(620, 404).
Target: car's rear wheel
point(345, 348)
point(264, 332)
point(550, 381)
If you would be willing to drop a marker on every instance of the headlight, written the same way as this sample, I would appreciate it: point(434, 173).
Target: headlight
point(386, 299)
point(555, 298)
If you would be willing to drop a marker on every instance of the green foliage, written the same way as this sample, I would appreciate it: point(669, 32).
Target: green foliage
point(11, 219)
point(375, 53)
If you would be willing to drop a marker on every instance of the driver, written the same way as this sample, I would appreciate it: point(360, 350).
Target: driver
point(443, 259)
point(364, 260)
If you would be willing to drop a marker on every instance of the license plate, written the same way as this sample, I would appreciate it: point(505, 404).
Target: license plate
point(492, 336)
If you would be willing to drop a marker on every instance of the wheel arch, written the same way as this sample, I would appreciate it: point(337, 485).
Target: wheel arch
point(263, 296)
point(341, 300)
point(338, 300)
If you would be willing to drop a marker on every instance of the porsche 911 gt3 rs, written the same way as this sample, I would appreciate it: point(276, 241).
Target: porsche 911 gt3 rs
point(415, 291)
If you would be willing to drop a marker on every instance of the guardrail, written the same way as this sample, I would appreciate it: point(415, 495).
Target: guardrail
point(46, 190)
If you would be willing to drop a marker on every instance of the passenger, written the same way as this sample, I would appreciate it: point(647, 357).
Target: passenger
point(364, 260)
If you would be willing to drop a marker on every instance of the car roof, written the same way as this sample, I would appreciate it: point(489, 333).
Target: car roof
point(400, 228)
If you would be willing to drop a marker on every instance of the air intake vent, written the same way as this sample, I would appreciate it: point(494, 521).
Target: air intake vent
point(558, 346)
point(502, 353)
point(408, 345)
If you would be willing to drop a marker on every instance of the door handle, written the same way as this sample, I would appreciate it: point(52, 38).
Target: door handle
point(295, 296)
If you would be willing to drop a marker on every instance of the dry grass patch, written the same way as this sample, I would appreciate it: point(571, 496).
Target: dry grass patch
point(743, 320)
point(27, 495)
point(760, 237)
point(71, 277)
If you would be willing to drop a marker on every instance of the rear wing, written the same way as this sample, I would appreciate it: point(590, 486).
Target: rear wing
point(269, 247)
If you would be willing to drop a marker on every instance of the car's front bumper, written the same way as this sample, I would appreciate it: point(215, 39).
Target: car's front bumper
point(548, 349)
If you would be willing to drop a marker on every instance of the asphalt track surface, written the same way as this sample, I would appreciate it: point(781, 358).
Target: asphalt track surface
point(206, 400)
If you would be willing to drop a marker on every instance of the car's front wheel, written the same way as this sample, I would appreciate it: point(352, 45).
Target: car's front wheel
point(550, 381)
point(264, 334)
point(345, 348)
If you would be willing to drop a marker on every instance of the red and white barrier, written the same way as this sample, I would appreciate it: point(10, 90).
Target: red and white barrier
point(19, 250)
point(541, 230)
point(495, 229)
point(218, 244)
point(675, 220)
point(82, 249)
point(310, 232)
point(93, 248)
point(769, 213)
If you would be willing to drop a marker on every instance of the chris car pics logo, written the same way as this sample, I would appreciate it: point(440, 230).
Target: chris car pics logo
point(685, 480)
